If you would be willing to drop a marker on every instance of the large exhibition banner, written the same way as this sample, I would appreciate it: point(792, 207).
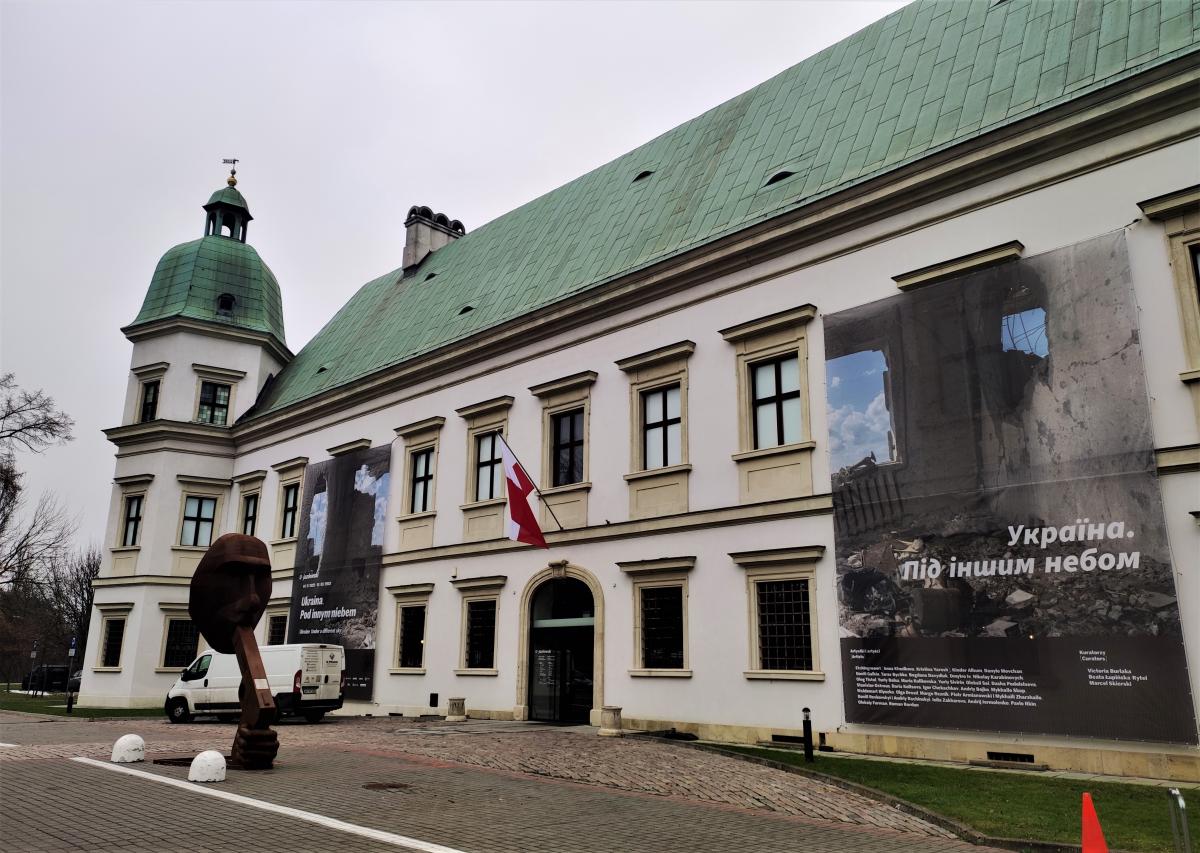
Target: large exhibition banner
point(335, 591)
point(1002, 557)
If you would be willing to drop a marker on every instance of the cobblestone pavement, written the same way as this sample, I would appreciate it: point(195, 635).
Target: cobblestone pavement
point(476, 786)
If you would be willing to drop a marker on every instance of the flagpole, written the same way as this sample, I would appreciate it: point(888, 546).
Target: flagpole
point(535, 488)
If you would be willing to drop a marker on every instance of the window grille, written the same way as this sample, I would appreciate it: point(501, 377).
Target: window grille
point(784, 633)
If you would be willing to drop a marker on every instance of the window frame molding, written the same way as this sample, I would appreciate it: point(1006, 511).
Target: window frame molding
point(961, 265)
point(288, 473)
point(250, 484)
point(136, 485)
point(665, 489)
point(280, 606)
point(781, 564)
point(1179, 214)
point(200, 487)
point(409, 595)
point(417, 528)
point(569, 502)
point(785, 470)
point(478, 589)
point(656, 574)
point(220, 376)
point(177, 612)
point(111, 611)
point(487, 515)
point(148, 373)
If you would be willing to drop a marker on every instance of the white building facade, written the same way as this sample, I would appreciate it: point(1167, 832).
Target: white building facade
point(696, 579)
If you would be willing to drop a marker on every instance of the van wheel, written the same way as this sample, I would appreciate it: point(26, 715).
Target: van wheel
point(314, 716)
point(177, 711)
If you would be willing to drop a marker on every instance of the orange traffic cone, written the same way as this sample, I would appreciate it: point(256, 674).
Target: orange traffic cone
point(1093, 836)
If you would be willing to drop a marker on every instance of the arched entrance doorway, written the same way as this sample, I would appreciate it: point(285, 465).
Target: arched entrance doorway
point(561, 662)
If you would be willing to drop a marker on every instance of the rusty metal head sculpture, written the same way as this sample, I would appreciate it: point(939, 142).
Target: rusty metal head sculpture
point(230, 589)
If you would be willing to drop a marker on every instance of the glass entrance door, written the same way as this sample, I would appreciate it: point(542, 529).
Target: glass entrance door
point(561, 652)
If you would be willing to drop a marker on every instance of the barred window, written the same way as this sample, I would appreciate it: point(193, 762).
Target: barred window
point(249, 514)
point(114, 638)
point(182, 641)
point(662, 627)
point(422, 480)
point(214, 404)
point(277, 630)
point(775, 387)
point(412, 636)
point(133, 520)
point(481, 634)
point(489, 467)
point(291, 500)
point(149, 401)
point(784, 632)
point(568, 447)
point(198, 514)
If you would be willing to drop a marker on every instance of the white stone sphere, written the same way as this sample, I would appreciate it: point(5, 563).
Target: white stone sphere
point(128, 749)
point(208, 766)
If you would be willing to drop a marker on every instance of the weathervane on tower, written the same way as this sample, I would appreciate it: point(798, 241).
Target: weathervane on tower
point(232, 164)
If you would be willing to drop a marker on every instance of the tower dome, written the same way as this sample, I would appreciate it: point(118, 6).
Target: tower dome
point(219, 278)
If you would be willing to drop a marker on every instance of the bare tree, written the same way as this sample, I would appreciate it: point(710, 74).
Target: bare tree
point(71, 591)
point(29, 421)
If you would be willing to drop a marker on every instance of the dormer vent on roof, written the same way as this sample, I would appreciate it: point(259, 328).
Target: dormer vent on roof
point(425, 232)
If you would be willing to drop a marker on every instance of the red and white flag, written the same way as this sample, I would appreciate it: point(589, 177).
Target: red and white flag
point(522, 522)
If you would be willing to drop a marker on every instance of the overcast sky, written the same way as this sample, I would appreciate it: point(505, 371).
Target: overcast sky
point(114, 119)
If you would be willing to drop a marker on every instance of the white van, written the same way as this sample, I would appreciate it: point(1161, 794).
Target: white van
point(307, 679)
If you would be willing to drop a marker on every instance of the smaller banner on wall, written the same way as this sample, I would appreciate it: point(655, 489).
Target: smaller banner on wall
point(335, 590)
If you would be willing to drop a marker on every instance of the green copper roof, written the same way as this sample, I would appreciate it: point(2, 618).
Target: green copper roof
point(933, 74)
point(229, 195)
point(190, 277)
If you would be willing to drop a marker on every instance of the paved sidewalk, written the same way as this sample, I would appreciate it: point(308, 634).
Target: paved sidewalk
point(472, 787)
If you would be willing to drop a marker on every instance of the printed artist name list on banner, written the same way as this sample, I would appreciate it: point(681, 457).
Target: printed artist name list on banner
point(913, 686)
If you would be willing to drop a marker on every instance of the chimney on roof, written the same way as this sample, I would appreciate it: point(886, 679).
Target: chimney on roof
point(425, 232)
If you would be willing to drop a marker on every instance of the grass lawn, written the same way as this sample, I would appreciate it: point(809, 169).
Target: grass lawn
point(1014, 805)
point(55, 703)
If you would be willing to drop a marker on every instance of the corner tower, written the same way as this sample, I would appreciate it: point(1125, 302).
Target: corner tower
point(208, 338)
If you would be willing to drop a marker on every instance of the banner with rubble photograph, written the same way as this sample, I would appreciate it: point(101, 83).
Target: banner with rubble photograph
point(335, 590)
point(1002, 557)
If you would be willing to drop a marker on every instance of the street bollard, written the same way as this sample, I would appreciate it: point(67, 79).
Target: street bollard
point(808, 749)
point(1179, 821)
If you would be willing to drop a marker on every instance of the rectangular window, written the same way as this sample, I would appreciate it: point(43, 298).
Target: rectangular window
point(775, 398)
point(277, 630)
point(481, 634)
point(412, 636)
point(114, 637)
point(568, 447)
point(182, 642)
point(291, 500)
point(249, 514)
point(489, 467)
point(214, 404)
point(784, 632)
point(149, 401)
point(662, 627)
point(198, 515)
point(661, 426)
point(133, 520)
point(422, 480)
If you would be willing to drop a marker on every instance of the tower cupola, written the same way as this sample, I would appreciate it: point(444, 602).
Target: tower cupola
point(228, 213)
